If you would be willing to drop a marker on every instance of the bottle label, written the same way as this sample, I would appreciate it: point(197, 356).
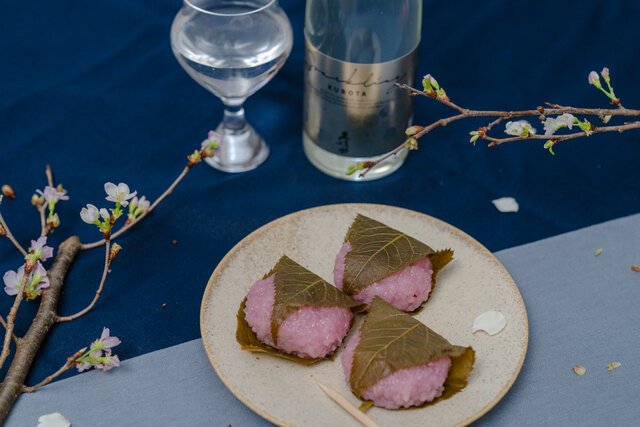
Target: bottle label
point(356, 110)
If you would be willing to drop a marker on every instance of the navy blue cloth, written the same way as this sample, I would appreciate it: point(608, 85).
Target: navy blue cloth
point(94, 90)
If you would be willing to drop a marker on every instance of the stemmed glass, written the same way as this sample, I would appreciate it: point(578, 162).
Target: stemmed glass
point(232, 48)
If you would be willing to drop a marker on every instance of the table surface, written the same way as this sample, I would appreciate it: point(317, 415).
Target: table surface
point(96, 92)
point(582, 309)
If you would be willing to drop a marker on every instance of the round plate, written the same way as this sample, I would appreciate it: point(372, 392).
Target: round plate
point(287, 394)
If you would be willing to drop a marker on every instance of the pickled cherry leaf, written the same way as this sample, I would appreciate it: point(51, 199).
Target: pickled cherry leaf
point(391, 340)
point(378, 251)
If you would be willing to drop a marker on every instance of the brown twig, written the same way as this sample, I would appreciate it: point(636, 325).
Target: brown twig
point(45, 318)
point(553, 110)
point(11, 318)
point(105, 272)
point(70, 363)
point(44, 229)
point(185, 171)
point(7, 233)
point(49, 173)
point(5, 326)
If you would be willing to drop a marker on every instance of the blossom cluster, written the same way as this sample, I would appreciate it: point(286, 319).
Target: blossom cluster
point(48, 199)
point(524, 129)
point(594, 80)
point(122, 196)
point(433, 89)
point(31, 277)
point(208, 148)
point(99, 354)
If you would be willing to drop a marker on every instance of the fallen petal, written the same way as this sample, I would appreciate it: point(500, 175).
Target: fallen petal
point(53, 420)
point(598, 251)
point(579, 370)
point(491, 322)
point(613, 365)
point(506, 204)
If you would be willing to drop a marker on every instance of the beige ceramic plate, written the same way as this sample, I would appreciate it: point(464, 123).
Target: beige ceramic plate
point(286, 393)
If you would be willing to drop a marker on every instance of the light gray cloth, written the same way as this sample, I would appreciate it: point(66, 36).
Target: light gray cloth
point(582, 309)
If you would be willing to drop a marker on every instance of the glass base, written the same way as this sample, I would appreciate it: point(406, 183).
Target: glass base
point(336, 166)
point(240, 151)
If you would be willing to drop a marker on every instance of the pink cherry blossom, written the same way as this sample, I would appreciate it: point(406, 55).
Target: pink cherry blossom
point(40, 250)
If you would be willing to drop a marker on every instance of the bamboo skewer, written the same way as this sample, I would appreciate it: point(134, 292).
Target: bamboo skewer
point(347, 406)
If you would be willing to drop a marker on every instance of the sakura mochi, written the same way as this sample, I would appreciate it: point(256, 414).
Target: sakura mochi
point(377, 260)
point(295, 314)
point(394, 361)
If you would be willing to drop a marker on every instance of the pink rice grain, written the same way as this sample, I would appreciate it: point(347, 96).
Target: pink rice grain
point(406, 387)
point(405, 289)
point(309, 332)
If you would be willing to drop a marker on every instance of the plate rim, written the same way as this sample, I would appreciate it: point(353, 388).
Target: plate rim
point(264, 228)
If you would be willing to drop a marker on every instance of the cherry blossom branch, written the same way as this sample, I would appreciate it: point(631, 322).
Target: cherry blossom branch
point(4, 231)
point(48, 284)
point(520, 130)
point(105, 271)
point(6, 345)
point(44, 320)
point(70, 363)
point(174, 184)
point(565, 137)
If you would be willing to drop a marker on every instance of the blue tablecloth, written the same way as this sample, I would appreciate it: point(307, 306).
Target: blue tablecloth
point(94, 90)
point(582, 309)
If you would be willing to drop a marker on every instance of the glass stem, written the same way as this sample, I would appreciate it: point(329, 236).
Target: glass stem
point(234, 120)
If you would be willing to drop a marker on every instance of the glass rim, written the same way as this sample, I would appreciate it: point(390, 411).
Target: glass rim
point(208, 12)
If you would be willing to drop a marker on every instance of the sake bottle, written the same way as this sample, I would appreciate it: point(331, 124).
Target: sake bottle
point(355, 53)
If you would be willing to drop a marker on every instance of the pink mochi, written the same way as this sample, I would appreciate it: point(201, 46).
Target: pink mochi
point(310, 332)
point(406, 289)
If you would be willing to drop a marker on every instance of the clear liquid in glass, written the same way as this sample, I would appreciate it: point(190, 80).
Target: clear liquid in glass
point(230, 59)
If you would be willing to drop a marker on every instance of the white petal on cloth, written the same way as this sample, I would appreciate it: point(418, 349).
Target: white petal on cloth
point(53, 420)
point(491, 322)
point(506, 204)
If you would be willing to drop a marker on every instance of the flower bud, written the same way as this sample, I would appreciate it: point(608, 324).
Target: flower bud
point(432, 81)
point(36, 200)
point(194, 158)
point(113, 253)
point(413, 130)
point(474, 136)
point(411, 144)
point(53, 221)
point(353, 168)
point(441, 94)
point(427, 85)
point(206, 152)
point(605, 74)
point(7, 191)
point(594, 80)
point(549, 146)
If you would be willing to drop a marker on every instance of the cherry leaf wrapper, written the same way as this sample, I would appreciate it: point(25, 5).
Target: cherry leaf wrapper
point(295, 288)
point(391, 340)
point(378, 251)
